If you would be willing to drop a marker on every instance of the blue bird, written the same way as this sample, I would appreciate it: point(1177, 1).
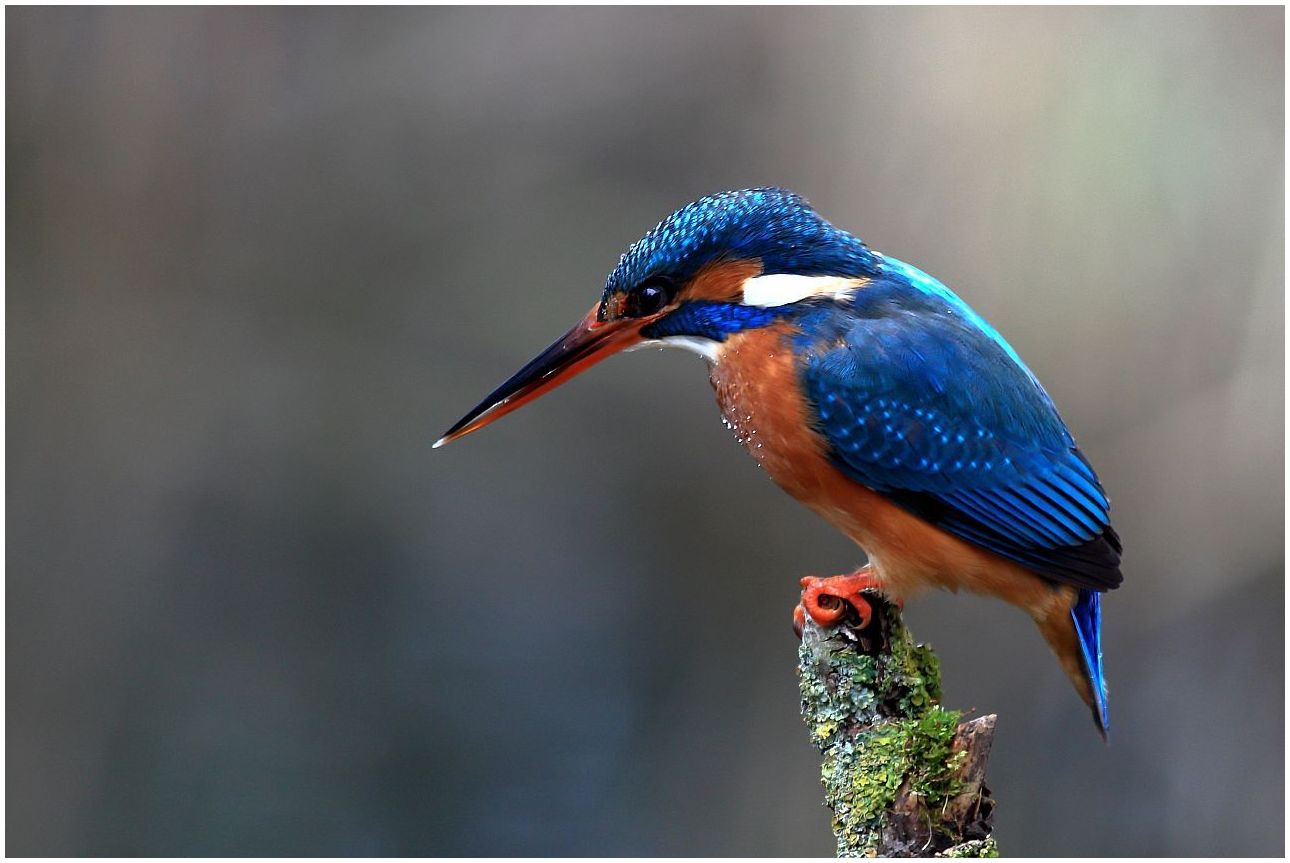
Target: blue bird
point(874, 395)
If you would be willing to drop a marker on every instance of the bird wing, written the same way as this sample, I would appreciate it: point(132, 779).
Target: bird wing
point(931, 408)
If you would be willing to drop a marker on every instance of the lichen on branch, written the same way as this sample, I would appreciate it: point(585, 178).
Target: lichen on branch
point(900, 773)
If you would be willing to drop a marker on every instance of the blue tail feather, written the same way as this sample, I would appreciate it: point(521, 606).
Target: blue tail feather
point(1087, 615)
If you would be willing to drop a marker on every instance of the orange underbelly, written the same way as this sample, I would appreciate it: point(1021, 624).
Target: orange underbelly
point(761, 401)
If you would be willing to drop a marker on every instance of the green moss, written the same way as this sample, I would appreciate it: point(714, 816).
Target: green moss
point(877, 720)
point(863, 773)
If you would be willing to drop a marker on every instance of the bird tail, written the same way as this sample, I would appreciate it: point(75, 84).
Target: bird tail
point(1075, 635)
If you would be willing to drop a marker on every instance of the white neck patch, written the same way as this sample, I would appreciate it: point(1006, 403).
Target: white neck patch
point(781, 289)
point(707, 348)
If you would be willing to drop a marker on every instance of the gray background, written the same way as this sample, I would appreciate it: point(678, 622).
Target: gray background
point(258, 260)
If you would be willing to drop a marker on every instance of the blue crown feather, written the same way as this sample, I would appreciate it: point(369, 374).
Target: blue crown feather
point(775, 226)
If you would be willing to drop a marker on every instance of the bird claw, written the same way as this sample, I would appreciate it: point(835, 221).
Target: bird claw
point(829, 600)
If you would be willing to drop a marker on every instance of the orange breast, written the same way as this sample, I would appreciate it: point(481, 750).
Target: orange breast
point(757, 388)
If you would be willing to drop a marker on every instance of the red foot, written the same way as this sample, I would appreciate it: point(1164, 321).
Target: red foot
point(826, 599)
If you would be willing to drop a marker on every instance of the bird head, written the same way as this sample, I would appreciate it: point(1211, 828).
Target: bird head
point(726, 263)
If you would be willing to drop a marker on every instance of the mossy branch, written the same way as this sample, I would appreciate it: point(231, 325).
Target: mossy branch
point(903, 777)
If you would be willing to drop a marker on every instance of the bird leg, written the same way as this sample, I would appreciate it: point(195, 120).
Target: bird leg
point(828, 600)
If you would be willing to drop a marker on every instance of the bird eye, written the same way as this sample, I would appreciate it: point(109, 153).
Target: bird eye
point(648, 297)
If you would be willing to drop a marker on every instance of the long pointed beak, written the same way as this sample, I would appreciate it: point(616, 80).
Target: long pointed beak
point(587, 343)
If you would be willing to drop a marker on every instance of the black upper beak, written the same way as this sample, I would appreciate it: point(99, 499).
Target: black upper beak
point(585, 344)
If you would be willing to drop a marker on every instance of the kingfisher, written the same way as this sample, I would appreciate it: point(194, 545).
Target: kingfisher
point(874, 395)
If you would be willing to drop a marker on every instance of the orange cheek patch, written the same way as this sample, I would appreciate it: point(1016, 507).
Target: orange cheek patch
point(613, 308)
point(722, 282)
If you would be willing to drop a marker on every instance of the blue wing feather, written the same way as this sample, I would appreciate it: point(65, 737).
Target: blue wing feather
point(919, 398)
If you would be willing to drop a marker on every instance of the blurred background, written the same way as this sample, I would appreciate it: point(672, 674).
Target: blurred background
point(258, 260)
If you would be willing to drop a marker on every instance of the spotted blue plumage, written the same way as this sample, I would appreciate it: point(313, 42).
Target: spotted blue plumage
point(920, 399)
point(773, 226)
